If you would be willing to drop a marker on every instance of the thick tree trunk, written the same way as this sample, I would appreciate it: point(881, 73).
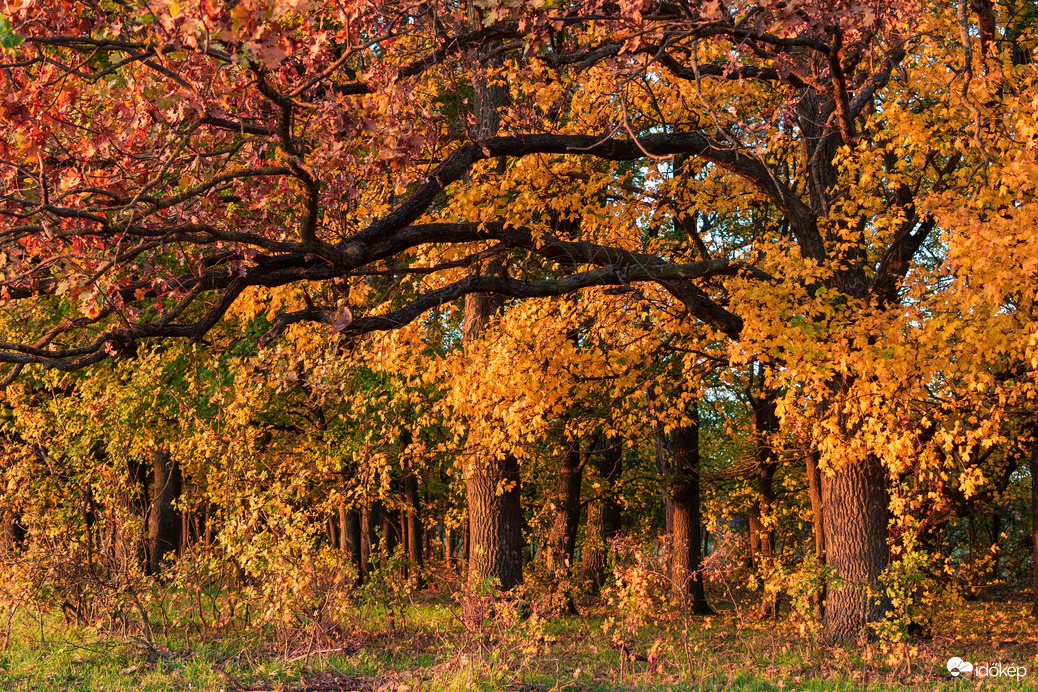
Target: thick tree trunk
point(603, 516)
point(1034, 526)
point(687, 539)
point(164, 522)
point(856, 514)
point(814, 489)
point(495, 535)
point(562, 541)
point(495, 522)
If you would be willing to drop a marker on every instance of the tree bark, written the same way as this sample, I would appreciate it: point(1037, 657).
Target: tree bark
point(349, 537)
point(370, 519)
point(562, 541)
point(413, 522)
point(765, 423)
point(814, 489)
point(856, 506)
point(495, 522)
point(687, 539)
point(164, 522)
point(603, 516)
point(495, 535)
point(660, 448)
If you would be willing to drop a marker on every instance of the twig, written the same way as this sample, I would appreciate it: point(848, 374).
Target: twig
point(238, 684)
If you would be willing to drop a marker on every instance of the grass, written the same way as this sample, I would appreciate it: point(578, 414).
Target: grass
point(428, 648)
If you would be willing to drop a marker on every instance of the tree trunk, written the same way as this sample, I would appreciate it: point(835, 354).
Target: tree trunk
point(856, 511)
point(163, 520)
point(370, 544)
point(390, 530)
point(687, 561)
point(1034, 526)
point(765, 424)
point(495, 522)
point(562, 540)
point(660, 448)
point(349, 538)
point(495, 536)
point(334, 533)
point(603, 516)
point(413, 522)
point(814, 489)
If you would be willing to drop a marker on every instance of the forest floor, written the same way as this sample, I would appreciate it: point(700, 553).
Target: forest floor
point(424, 645)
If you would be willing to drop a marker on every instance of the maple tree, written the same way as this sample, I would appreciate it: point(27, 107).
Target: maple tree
point(839, 192)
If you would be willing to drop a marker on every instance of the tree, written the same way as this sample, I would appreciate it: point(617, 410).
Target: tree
point(163, 165)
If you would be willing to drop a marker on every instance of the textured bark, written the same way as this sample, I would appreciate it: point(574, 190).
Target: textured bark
point(603, 516)
point(494, 540)
point(856, 514)
point(391, 531)
point(562, 541)
point(334, 533)
point(164, 523)
point(660, 448)
point(370, 542)
point(495, 522)
point(140, 473)
point(754, 531)
point(814, 489)
point(1034, 527)
point(349, 537)
point(413, 523)
point(14, 533)
point(687, 539)
point(765, 424)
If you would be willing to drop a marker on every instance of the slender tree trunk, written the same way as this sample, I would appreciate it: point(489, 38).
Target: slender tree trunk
point(390, 531)
point(349, 537)
point(766, 512)
point(140, 500)
point(753, 532)
point(765, 424)
point(413, 523)
point(163, 520)
point(686, 565)
point(603, 516)
point(334, 533)
point(814, 489)
point(660, 448)
point(562, 540)
point(1034, 526)
point(10, 542)
point(370, 543)
point(856, 514)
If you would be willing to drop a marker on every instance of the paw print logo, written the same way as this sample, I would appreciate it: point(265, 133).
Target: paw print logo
point(957, 667)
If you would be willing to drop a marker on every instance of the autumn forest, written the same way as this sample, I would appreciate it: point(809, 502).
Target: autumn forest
point(491, 344)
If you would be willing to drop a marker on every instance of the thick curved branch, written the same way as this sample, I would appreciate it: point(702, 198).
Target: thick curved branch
point(458, 163)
